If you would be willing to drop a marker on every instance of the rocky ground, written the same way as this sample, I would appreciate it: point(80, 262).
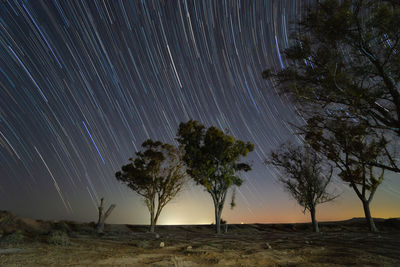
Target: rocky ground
point(36, 243)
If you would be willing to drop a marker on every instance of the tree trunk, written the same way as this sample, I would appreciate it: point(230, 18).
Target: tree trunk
point(103, 216)
point(314, 220)
point(368, 217)
point(152, 224)
point(367, 211)
point(100, 222)
point(217, 218)
point(218, 206)
point(152, 216)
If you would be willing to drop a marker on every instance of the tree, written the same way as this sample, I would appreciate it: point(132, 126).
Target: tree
point(103, 216)
point(304, 176)
point(346, 56)
point(351, 148)
point(211, 157)
point(157, 174)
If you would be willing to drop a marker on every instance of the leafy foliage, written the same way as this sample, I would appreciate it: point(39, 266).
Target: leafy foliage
point(59, 238)
point(212, 159)
point(157, 174)
point(345, 63)
point(350, 147)
point(354, 151)
point(344, 70)
point(346, 56)
point(305, 177)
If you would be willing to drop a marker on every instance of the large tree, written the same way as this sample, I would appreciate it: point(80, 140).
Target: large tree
point(212, 159)
point(352, 148)
point(305, 175)
point(157, 174)
point(345, 56)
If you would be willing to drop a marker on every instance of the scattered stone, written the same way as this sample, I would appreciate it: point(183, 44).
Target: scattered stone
point(267, 246)
point(157, 236)
point(307, 242)
point(162, 245)
point(189, 248)
point(9, 250)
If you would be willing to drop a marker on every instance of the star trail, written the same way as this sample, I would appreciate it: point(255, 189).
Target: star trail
point(84, 83)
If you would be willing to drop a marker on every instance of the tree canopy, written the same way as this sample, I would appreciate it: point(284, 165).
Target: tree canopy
point(157, 174)
point(345, 56)
point(305, 175)
point(354, 151)
point(212, 158)
point(344, 71)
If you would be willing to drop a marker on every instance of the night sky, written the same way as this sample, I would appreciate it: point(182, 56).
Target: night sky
point(84, 83)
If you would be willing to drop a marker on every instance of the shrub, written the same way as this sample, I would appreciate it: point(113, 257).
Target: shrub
point(58, 238)
point(13, 238)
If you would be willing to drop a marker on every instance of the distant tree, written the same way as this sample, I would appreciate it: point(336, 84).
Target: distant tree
point(346, 56)
point(103, 216)
point(212, 160)
point(352, 148)
point(157, 174)
point(304, 176)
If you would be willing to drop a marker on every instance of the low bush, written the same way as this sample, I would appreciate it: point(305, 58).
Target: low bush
point(58, 238)
point(13, 238)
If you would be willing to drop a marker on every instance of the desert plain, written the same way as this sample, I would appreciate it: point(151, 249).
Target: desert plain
point(28, 242)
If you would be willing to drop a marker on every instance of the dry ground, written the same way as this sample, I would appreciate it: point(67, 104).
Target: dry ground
point(340, 244)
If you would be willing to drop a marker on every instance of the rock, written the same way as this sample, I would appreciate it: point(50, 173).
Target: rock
point(267, 246)
point(307, 242)
point(157, 236)
point(162, 245)
point(9, 250)
point(189, 248)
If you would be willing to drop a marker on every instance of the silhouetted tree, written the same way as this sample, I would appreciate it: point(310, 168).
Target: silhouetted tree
point(157, 174)
point(103, 216)
point(211, 157)
point(351, 147)
point(304, 175)
point(346, 56)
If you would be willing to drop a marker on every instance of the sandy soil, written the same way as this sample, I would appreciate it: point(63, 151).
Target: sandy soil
point(339, 244)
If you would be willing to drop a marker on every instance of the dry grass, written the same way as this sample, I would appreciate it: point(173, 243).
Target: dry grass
point(341, 243)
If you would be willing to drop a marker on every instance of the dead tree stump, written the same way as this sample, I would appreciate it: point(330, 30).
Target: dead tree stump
point(103, 216)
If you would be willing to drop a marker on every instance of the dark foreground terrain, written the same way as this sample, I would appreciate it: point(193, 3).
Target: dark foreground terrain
point(26, 242)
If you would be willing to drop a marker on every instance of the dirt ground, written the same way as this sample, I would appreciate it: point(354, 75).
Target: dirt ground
point(339, 244)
